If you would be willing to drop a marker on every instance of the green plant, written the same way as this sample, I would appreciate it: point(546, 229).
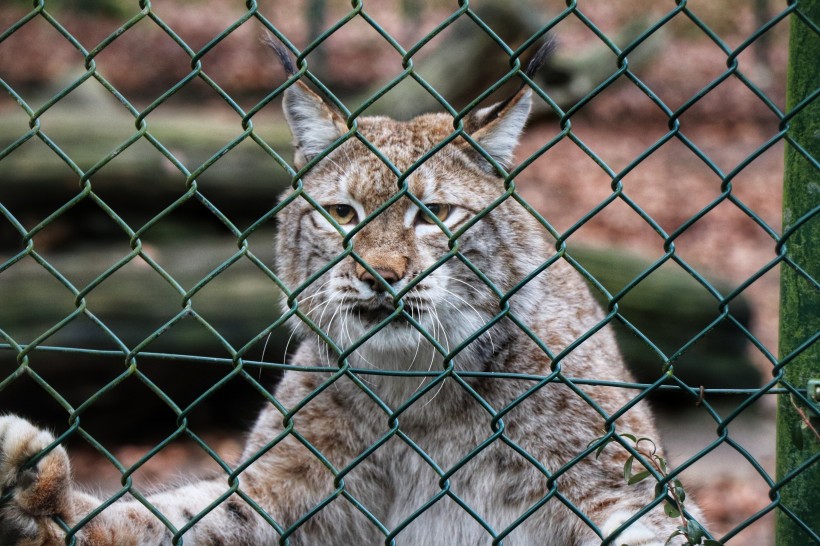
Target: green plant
point(673, 507)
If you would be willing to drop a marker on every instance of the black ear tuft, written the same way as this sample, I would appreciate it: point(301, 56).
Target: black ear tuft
point(282, 52)
point(541, 56)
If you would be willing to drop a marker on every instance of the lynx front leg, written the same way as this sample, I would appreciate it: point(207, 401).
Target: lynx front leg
point(35, 496)
point(651, 530)
point(637, 534)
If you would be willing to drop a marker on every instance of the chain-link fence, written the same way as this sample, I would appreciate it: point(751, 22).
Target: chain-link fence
point(169, 299)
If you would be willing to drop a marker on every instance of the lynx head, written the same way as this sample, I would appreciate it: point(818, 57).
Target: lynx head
point(390, 253)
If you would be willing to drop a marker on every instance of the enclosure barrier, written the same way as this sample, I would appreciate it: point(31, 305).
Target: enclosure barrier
point(793, 492)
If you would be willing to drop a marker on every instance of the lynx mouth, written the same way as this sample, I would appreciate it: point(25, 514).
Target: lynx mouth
point(376, 310)
point(374, 315)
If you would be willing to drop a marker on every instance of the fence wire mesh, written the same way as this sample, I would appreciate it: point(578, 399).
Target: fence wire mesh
point(198, 185)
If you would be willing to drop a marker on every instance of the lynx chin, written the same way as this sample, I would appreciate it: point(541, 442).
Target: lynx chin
point(454, 458)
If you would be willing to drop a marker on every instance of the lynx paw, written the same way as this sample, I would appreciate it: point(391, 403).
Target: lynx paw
point(636, 534)
point(30, 495)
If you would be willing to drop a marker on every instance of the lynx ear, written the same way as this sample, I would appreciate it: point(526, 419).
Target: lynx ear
point(314, 124)
point(497, 128)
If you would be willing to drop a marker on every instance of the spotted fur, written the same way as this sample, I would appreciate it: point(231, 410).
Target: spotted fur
point(471, 455)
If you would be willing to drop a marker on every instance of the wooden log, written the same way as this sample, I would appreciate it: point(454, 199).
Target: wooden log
point(134, 303)
point(89, 126)
point(671, 308)
point(467, 61)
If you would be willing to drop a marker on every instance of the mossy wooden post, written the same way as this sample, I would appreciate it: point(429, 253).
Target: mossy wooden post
point(800, 300)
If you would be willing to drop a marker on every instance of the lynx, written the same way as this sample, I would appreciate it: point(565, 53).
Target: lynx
point(460, 445)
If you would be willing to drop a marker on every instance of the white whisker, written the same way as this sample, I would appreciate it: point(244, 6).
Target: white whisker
point(446, 347)
point(480, 321)
point(418, 341)
point(346, 332)
point(326, 330)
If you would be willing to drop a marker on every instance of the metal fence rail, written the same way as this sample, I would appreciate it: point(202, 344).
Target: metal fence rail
point(796, 124)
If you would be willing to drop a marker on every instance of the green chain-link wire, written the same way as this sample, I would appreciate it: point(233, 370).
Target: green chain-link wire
point(238, 366)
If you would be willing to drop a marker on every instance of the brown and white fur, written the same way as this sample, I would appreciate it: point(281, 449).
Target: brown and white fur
point(461, 442)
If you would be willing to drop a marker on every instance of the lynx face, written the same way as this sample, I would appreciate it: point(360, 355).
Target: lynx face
point(430, 274)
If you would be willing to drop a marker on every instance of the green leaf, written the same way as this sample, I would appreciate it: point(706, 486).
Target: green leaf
point(694, 531)
point(601, 447)
point(659, 487)
point(628, 468)
point(662, 464)
point(640, 476)
point(630, 437)
point(671, 510)
point(678, 490)
point(710, 542)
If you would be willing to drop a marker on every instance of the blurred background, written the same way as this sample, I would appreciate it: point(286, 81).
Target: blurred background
point(82, 233)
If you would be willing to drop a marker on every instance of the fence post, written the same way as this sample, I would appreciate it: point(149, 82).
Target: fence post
point(799, 300)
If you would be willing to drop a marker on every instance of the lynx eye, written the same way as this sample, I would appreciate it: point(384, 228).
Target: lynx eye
point(441, 210)
point(343, 214)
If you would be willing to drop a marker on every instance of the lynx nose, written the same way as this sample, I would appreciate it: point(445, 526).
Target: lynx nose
point(390, 274)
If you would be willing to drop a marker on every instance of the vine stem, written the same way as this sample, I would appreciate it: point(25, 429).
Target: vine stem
point(804, 417)
point(670, 487)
